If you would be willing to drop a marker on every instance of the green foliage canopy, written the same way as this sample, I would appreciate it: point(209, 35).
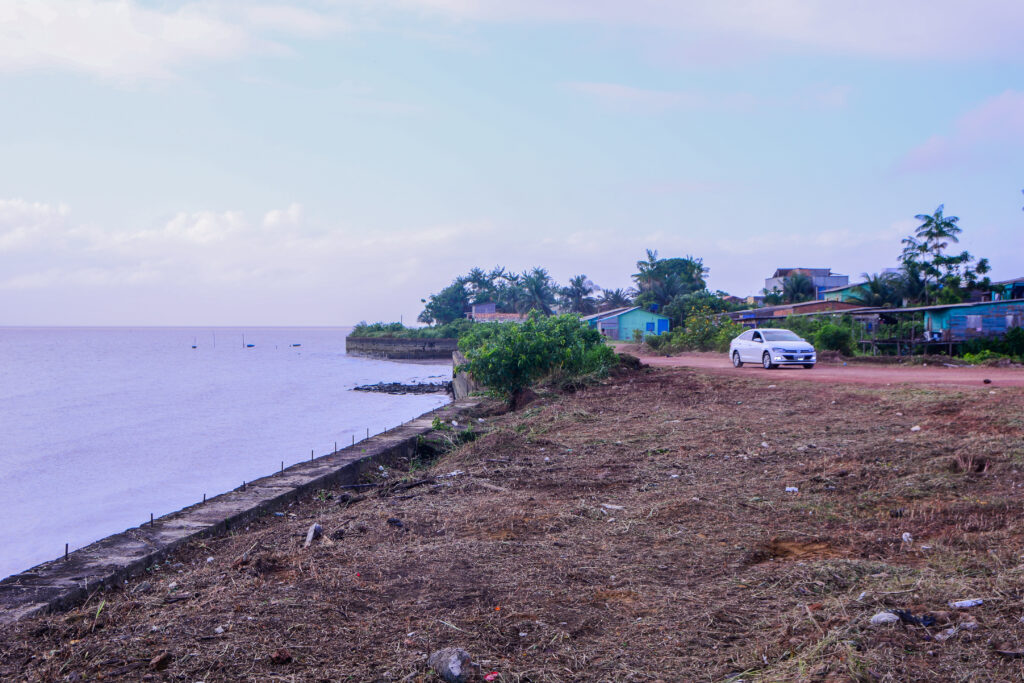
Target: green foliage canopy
point(509, 357)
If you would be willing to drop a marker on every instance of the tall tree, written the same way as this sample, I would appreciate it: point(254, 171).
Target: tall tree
point(798, 287)
point(539, 290)
point(449, 304)
point(947, 277)
point(658, 281)
point(576, 296)
point(613, 298)
point(877, 290)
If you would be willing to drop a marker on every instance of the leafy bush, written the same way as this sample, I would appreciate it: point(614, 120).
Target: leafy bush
point(509, 357)
point(834, 338)
point(983, 356)
point(704, 330)
point(452, 330)
point(1011, 344)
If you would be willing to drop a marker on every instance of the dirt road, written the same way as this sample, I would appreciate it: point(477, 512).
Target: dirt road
point(854, 373)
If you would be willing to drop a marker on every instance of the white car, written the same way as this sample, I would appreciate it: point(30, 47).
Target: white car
point(771, 347)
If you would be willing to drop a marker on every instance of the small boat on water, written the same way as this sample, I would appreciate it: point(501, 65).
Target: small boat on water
point(294, 345)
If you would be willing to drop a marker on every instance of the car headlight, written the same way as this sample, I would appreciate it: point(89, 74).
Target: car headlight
point(778, 350)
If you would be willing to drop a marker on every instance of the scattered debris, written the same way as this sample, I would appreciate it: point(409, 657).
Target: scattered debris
point(315, 532)
point(946, 634)
point(452, 664)
point(915, 428)
point(964, 604)
point(395, 522)
point(907, 538)
point(884, 619)
point(907, 617)
point(792, 489)
point(160, 662)
point(281, 656)
point(609, 506)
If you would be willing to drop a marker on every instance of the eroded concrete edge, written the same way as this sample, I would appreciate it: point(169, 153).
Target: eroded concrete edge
point(61, 584)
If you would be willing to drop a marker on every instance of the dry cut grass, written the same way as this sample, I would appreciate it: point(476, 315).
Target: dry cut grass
point(640, 530)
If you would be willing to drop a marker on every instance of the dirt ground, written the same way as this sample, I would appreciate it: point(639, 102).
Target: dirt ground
point(853, 372)
point(667, 525)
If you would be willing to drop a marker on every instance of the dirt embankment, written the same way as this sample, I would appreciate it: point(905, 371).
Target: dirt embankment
point(639, 530)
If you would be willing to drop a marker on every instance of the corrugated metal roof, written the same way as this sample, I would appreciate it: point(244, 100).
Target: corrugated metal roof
point(942, 307)
point(610, 313)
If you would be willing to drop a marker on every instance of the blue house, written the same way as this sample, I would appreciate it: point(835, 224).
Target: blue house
point(620, 323)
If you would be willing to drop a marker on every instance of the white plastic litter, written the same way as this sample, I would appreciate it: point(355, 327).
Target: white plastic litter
point(964, 604)
point(907, 538)
point(883, 618)
point(915, 428)
point(792, 489)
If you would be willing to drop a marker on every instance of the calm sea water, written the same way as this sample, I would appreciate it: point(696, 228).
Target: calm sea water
point(100, 427)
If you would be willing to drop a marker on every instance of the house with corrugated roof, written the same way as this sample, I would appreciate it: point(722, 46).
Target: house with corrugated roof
point(823, 278)
point(622, 323)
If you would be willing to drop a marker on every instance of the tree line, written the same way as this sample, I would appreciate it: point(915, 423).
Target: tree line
point(671, 285)
point(929, 272)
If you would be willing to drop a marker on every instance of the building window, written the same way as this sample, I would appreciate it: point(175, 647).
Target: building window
point(1013, 320)
point(650, 327)
point(974, 323)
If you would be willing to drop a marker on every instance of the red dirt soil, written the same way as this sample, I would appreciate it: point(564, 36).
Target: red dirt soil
point(854, 373)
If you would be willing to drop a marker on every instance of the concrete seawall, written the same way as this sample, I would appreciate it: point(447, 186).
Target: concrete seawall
point(400, 348)
point(61, 584)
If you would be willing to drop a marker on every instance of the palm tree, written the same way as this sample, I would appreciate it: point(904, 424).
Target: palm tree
point(646, 270)
point(926, 246)
point(877, 291)
point(911, 284)
point(613, 298)
point(576, 297)
point(539, 290)
point(798, 287)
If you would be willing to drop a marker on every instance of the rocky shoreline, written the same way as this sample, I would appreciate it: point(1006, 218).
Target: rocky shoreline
point(398, 388)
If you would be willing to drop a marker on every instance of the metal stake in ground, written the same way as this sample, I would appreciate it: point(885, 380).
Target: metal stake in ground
point(65, 552)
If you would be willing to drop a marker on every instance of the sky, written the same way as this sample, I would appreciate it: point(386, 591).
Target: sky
point(326, 162)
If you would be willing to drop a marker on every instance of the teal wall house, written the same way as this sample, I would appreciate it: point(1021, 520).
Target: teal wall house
point(960, 322)
point(621, 322)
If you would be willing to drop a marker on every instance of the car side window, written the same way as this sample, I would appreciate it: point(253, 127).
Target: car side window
point(756, 337)
point(747, 336)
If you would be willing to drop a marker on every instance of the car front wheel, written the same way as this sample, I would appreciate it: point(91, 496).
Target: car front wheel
point(736, 362)
point(766, 361)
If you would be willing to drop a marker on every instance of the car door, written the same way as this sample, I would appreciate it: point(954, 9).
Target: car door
point(754, 347)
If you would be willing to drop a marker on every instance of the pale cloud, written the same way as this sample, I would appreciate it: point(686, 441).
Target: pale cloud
point(126, 40)
point(992, 130)
point(909, 29)
point(25, 224)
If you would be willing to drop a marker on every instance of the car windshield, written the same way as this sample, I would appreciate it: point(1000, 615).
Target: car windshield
point(780, 335)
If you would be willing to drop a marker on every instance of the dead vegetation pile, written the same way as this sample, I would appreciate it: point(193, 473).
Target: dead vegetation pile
point(665, 525)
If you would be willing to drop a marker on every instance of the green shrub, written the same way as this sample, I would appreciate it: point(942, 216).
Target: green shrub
point(834, 338)
point(452, 330)
point(982, 356)
point(509, 357)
